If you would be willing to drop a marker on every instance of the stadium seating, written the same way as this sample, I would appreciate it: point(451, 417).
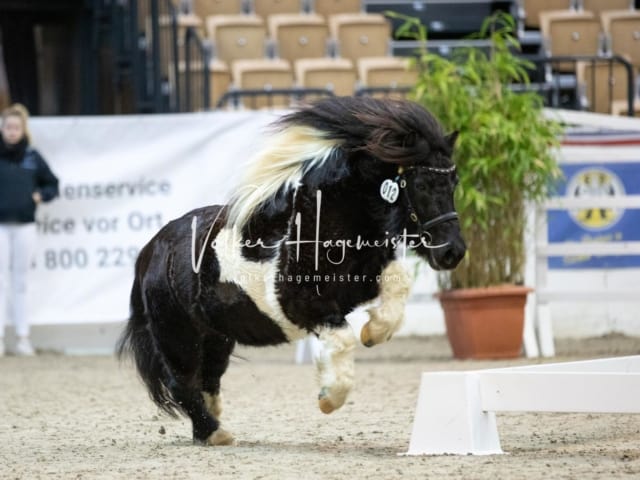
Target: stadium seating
point(623, 29)
point(360, 35)
point(621, 107)
point(265, 8)
point(533, 8)
point(388, 72)
point(219, 79)
point(263, 74)
point(569, 32)
point(599, 6)
point(299, 35)
point(602, 84)
point(206, 8)
point(184, 21)
point(334, 7)
point(237, 36)
point(335, 74)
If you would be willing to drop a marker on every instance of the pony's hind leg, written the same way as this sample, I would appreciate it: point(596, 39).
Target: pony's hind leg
point(204, 425)
point(184, 368)
point(386, 318)
point(335, 366)
point(216, 352)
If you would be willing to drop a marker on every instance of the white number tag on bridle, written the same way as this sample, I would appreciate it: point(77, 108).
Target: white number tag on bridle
point(389, 190)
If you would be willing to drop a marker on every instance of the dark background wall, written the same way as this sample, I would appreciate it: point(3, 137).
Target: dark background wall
point(48, 47)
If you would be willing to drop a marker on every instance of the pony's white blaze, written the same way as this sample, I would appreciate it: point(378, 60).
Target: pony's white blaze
point(256, 279)
point(287, 156)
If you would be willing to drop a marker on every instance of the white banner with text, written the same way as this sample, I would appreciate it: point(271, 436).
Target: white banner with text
point(121, 179)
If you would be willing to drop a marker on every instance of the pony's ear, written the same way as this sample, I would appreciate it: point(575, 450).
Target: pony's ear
point(452, 137)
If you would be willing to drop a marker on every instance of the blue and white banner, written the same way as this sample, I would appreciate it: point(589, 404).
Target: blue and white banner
point(598, 173)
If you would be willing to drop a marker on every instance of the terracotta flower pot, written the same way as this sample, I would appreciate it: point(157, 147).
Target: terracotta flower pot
point(485, 323)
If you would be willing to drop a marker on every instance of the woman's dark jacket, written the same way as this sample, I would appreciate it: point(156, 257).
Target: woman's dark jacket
point(23, 171)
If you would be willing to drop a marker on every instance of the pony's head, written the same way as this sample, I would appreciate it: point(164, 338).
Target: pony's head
point(428, 193)
point(405, 146)
point(373, 141)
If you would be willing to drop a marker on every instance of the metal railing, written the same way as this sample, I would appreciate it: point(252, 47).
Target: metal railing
point(197, 80)
point(546, 78)
point(165, 65)
point(402, 91)
point(236, 98)
point(161, 28)
point(553, 78)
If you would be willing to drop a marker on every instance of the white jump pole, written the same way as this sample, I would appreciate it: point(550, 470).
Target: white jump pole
point(456, 410)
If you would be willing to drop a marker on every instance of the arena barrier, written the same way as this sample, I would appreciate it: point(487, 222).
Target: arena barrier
point(596, 155)
point(456, 411)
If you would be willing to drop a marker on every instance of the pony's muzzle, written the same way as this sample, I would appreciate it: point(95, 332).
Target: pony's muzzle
point(448, 258)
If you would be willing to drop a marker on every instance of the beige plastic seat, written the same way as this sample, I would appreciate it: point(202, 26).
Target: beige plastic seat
point(263, 74)
point(184, 21)
point(237, 36)
point(599, 6)
point(266, 8)
point(623, 27)
point(603, 84)
point(621, 107)
point(206, 8)
point(219, 79)
point(334, 7)
point(335, 74)
point(568, 32)
point(392, 72)
point(360, 35)
point(299, 35)
point(533, 8)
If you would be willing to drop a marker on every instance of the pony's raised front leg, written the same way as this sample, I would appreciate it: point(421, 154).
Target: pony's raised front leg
point(386, 318)
point(335, 366)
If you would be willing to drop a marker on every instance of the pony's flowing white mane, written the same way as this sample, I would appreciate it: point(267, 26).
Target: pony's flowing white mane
point(286, 157)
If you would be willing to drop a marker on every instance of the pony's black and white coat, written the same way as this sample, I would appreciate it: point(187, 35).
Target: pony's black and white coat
point(275, 264)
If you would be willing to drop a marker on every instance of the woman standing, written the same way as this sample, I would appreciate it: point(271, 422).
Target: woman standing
point(25, 181)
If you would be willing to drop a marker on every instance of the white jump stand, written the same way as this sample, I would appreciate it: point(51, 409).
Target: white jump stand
point(456, 410)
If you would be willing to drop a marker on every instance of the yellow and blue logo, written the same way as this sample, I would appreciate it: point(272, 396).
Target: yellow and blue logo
point(595, 182)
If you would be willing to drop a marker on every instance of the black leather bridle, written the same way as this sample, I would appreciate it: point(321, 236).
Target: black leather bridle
point(413, 215)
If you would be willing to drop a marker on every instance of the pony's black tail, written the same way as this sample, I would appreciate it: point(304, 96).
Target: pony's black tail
point(137, 340)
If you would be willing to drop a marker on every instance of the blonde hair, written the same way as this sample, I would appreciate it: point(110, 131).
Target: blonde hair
point(20, 111)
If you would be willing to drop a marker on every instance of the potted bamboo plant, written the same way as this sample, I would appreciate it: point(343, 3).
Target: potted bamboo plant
point(505, 154)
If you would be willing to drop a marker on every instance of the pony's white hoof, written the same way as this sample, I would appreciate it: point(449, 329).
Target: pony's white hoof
point(325, 405)
point(220, 437)
point(329, 401)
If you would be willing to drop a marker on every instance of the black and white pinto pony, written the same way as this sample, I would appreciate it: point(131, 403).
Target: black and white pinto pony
point(310, 235)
